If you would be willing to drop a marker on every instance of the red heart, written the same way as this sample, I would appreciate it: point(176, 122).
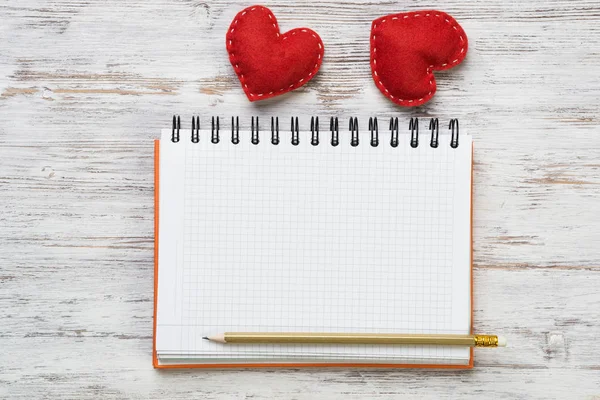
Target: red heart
point(406, 48)
point(267, 62)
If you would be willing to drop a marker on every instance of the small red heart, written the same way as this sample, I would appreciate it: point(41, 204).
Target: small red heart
point(267, 62)
point(406, 48)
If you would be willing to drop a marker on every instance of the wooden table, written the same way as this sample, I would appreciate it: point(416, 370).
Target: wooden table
point(86, 86)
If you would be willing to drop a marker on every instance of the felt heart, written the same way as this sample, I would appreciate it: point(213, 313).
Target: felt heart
point(406, 48)
point(267, 62)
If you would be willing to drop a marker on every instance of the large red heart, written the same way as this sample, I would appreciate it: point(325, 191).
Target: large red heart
point(267, 62)
point(406, 48)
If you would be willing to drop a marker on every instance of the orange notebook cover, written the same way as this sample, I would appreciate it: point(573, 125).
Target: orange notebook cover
point(213, 361)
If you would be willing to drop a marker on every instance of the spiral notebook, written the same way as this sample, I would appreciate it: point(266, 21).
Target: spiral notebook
point(366, 229)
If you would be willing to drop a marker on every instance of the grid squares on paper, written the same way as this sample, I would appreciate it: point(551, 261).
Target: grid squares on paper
point(302, 238)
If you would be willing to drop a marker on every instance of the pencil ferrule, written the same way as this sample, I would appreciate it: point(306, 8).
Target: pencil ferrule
point(486, 340)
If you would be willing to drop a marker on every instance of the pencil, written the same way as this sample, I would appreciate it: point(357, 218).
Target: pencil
point(358, 338)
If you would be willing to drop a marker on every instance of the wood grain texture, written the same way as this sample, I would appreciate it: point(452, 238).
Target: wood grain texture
point(85, 86)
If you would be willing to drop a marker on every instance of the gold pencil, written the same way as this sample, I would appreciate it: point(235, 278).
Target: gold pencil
point(358, 338)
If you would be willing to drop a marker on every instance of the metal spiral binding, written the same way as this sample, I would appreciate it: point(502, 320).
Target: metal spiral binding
point(434, 126)
point(353, 127)
point(295, 132)
point(414, 132)
point(374, 132)
point(214, 131)
point(195, 129)
point(176, 128)
point(254, 136)
point(453, 126)
point(275, 131)
point(235, 130)
point(395, 131)
point(335, 131)
point(314, 128)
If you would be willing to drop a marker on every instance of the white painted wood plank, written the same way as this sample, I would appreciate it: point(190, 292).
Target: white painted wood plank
point(85, 86)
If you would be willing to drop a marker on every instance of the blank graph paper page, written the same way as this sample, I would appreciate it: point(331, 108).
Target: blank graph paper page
point(284, 238)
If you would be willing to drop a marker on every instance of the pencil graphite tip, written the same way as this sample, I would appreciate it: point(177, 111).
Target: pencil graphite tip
point(205, 338)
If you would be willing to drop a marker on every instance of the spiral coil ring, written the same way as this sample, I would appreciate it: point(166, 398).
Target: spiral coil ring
point(335, 131)
point(235, 130)
point(453, 126)
point(254, 132)
point(275, 131)
point(314, 129)
point(353, 127)
point(434, 126)
point(176, 128)
point(395, 131)
point(196, 129)
point(295, 132)
point(214, 131)
point(414, 132)
point(374, 132)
